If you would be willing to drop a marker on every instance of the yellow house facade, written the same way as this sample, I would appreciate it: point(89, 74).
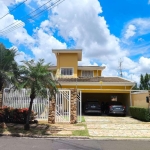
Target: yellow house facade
point(89, 79)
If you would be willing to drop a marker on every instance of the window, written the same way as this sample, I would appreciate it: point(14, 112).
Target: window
point(66, 71)
point(87, 73)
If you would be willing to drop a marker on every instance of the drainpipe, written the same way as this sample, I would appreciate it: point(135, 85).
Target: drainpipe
point(130, 99)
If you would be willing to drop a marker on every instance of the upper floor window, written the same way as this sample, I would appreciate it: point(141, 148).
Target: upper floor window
point(66, 71)
point(87, 73)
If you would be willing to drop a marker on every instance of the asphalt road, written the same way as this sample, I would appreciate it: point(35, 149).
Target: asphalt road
point(14, 143)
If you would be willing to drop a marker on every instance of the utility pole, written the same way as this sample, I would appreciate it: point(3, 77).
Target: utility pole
point(120, 68)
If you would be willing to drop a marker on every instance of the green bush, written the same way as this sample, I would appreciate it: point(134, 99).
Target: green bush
point(140, 113)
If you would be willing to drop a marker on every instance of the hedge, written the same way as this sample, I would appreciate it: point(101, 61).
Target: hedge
point(15, 115)
point(140, 113)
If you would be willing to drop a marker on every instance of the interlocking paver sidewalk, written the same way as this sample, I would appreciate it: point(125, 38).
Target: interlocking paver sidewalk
point(105, 126)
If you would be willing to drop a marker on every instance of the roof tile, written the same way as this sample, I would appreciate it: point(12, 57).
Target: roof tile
point(93, 79)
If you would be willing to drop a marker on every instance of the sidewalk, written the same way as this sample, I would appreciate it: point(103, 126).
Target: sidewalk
point(117, 127)
point(44, 130)
point(94, 127)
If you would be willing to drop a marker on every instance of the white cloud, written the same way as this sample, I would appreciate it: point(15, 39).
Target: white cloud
point(130, 31)
point(148, 1)
point(128, 64)
point(22, 56)
point(108, 71)
point(89, 30)
point(140, 25)
point(44, 43)
point(41, 43)
point(80, 21)
point(11, 2)
point(138, 68)
point(18, 36)
point(143, 66)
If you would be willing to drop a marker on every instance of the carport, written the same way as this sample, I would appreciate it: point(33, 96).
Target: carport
point(106, 97)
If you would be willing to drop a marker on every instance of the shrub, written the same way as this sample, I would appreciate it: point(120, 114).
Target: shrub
point(140, 113)
point(15, 115)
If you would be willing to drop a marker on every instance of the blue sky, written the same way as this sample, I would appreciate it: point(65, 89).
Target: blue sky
point(107, 31)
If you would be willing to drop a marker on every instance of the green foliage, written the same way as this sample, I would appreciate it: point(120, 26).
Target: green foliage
point(140, 113)
point(145, 82)
point(135, 87)
point(37, 76)
point(8, 66)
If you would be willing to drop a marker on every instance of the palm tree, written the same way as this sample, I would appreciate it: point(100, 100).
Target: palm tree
point(37, 77)
point(8, 67)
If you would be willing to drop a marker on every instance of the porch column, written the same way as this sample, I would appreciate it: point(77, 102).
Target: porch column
point(51, 115)
point(73, 109)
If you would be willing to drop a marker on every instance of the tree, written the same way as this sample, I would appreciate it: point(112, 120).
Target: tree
point(135, 87)
point(145, 82)
point(8, 67)
point(38, 78)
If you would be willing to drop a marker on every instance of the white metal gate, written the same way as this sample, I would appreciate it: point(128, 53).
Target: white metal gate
point(79, 106)
point(21, 99)
point(62, 110)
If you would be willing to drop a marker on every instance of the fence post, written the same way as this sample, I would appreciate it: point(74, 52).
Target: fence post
point(1, 98)
point(51, 115)
point(73, 110)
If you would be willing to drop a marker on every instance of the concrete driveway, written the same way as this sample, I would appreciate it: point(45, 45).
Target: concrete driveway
point(117, 127)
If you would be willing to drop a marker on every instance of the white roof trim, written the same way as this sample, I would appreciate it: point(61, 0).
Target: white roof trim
point(98, 83)
point(73, 51)
point(91, 67)
point(83, 67)
point(120, 78)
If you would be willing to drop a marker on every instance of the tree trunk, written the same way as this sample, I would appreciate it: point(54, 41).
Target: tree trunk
point(27, 125)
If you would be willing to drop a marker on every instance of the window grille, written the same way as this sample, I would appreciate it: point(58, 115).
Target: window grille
point(66, 71)
point(87, 73)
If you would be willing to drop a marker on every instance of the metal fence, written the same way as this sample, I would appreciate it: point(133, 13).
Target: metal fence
point(79, 106)
point(21, 99)
point(62, 109)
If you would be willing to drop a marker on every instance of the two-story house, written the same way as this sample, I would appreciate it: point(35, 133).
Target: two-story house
point(89, 79)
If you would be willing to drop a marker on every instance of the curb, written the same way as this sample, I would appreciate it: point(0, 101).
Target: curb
point(75, 137)
point(119, 138)
point(45, 136)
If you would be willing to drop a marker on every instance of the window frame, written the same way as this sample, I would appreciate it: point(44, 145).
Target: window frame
point(67, 68)
point(87, 70)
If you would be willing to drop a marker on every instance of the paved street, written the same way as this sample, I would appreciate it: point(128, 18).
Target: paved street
point(123, 127)
point(13, 143)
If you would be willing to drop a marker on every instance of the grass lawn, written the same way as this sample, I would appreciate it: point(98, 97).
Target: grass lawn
point(81, 132)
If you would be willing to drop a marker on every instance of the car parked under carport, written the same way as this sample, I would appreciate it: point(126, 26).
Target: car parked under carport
point(123, 98)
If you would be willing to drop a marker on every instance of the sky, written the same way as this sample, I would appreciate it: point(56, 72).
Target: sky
point(109, 32)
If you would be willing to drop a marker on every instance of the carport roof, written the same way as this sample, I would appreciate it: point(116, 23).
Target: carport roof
point(94, 79)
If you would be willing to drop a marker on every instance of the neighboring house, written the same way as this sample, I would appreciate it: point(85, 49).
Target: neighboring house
point(89, 79)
